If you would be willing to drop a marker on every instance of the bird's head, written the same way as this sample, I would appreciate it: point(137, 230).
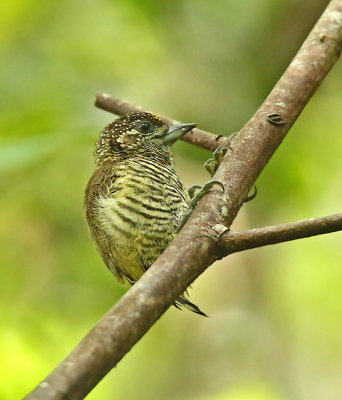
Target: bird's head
point(138, 133)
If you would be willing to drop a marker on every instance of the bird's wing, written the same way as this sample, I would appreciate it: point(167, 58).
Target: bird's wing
point(99, 186)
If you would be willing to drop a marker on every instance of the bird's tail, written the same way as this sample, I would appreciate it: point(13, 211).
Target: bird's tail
point(184, 302)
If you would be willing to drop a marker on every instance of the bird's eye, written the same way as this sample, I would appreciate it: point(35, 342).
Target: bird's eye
point(144, 127)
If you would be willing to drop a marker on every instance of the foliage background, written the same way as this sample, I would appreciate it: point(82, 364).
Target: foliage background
point(275, 326)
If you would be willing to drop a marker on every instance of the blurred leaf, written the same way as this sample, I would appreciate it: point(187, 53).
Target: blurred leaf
point(19, 153)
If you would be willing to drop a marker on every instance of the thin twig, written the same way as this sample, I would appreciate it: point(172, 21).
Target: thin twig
point(233, 242)
point(194, 248)
point(198, 137)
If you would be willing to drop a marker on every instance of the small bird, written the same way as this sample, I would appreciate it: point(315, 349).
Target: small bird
point(134, 201)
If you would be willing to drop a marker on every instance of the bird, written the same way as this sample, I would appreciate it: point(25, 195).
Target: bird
point(135, 202)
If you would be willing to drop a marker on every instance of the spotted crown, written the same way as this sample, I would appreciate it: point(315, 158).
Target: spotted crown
point(120, 136)
point(126, 122)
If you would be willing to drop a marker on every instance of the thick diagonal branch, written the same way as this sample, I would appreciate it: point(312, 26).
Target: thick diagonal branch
point(233, 242)
point(195, 247)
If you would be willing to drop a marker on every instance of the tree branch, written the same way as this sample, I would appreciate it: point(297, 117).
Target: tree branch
point(196, 246)
point(198, 137)
point(233, 242)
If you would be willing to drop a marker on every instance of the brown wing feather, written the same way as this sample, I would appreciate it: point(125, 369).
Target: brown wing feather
point(100, 185)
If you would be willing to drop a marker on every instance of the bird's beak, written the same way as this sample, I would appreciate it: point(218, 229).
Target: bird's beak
point(175, 132)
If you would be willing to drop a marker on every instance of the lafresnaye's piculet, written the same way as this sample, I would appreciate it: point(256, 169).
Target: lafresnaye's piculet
point(135, 201)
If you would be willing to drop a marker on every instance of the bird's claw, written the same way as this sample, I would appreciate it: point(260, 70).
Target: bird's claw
point(220, 152)
point(196, 193)
point(192, 191)
point(211, 166)
point(251, 196)
point(213, 163)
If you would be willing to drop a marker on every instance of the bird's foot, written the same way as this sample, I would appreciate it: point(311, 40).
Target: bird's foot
point(213, 163)
point(252, 196)
point(196, 192)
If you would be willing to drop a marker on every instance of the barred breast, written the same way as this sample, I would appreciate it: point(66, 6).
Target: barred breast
point(138, 215)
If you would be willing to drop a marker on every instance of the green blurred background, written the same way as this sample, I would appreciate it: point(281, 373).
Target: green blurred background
point(276, 313)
